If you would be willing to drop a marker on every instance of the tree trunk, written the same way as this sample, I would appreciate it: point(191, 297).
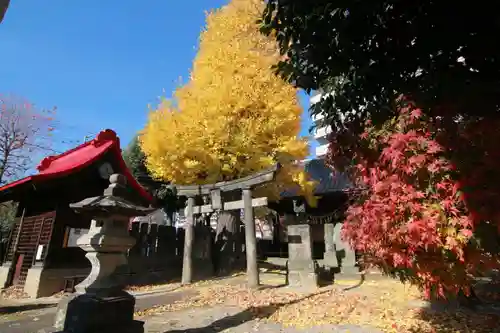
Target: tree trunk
point(202, 247)
point(227, 240)
point(470, 301)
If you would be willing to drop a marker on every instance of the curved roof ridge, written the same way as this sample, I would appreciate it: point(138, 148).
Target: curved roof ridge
point(102, 137)
point(81, 156)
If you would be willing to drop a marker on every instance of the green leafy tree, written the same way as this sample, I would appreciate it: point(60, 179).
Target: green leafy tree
point(165, 196)
point(441, 57)
point(7, 215)
point(135, 160)
point(8, 212)
point(440, 54)
point(4, 4)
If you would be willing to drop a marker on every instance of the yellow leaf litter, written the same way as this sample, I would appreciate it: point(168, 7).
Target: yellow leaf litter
point(387, 305)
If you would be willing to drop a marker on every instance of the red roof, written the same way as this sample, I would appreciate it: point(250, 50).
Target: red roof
point(80, 157)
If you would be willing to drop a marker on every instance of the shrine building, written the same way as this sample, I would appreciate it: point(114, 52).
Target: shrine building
point(42, 257)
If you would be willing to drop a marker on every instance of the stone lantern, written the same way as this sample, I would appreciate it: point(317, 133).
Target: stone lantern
point(100, 304)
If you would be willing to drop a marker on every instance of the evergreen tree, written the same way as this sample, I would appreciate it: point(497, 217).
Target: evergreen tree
point(165, 195)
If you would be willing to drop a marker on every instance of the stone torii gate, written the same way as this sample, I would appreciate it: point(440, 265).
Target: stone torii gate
point(247, 203)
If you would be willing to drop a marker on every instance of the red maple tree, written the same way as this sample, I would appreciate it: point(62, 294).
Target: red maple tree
point(430, 213)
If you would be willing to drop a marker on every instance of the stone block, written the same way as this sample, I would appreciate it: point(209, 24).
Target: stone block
point(345, 253)
point(350, 270)
point(330, 255)
point(302, 265)
point(330, 259)
point(32, 284)
point(302, 269)
point(299, 242)
point(4, 274)
point(302, 279)
point(94, 313)
point(302, 274)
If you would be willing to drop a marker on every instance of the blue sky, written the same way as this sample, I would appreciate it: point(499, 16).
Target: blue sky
point(100, 62)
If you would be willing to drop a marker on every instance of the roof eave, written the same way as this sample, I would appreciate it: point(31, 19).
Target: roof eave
point(16, 193)
point(4, 5)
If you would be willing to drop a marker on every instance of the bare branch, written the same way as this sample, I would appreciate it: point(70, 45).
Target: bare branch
point(24, 132)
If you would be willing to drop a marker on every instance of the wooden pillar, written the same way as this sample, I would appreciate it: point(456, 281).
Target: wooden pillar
point(250, 240)
point(187, 260)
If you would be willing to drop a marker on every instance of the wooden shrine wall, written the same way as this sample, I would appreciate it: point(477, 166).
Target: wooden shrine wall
point(35, 234)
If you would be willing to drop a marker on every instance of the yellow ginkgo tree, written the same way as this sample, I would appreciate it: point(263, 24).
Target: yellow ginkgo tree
point(234, 117)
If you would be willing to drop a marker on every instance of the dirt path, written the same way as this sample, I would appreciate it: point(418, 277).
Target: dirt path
point(41, 321)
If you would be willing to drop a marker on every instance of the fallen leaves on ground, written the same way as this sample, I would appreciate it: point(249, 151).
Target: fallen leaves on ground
point(14, 292)
point(226, 294)
point(171, 285)
point(386, 304)
point(489, 292)
point(152, 287)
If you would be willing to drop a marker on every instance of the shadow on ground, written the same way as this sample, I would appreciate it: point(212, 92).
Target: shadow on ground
point(138, 280)
point(480, 314)
point(24, 307)
point(244, 316)
point(272, 268)
point(362, 280)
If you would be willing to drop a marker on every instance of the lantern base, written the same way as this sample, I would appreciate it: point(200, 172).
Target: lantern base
point(85, 313)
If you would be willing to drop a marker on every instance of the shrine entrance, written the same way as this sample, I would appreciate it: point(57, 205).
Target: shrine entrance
point(204, 200)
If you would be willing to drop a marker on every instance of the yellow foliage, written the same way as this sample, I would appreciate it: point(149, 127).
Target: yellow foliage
point(235, 116)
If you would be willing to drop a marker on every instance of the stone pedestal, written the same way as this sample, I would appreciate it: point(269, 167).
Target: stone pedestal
point(34, 282)
point(94, 313)
point(302, 269)
point(345, 253)
point(5, 271)
point(303, 273)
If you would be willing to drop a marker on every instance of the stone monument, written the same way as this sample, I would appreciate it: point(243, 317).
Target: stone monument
point(346, 254)
point(330, 255)
point(100, 304)
point(302, 269)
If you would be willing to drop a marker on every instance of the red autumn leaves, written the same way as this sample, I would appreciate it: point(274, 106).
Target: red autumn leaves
point(425, 199)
